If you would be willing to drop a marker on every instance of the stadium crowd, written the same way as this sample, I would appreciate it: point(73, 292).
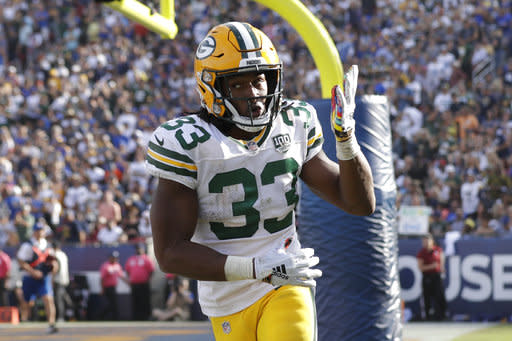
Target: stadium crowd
point(82, 87)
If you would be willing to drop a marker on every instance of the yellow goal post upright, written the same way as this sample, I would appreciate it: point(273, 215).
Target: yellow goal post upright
point(317, 39)
point(309, 27)
point(161, 22)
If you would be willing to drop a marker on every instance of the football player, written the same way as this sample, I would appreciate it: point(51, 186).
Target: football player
point(223, 210)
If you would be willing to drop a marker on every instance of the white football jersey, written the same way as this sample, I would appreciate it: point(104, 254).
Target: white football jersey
point(247, 190)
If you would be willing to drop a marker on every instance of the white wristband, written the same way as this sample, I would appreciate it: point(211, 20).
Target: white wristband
point(238, 268)
point(347, 150)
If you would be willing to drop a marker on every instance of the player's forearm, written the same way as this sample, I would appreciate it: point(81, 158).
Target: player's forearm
point(192, 260)
point(356, 186)
point(355, 183)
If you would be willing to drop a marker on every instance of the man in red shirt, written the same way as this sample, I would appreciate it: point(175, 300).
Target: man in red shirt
point(140, 268)
point(5, 268)
point(431, 264)
point(111, 271)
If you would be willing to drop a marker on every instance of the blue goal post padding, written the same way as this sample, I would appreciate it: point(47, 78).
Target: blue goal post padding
point(358, 296)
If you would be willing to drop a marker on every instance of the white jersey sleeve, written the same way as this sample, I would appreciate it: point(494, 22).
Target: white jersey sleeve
point(170, 148)
point(303, 113)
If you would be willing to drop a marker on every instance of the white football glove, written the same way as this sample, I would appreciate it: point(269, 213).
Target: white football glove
point(281, 268)
point(343, 105)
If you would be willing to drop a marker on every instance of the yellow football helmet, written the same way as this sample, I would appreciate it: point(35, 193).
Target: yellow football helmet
point(230, 49)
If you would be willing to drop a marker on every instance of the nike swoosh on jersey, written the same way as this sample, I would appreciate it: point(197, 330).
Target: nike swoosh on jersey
point(160, 141)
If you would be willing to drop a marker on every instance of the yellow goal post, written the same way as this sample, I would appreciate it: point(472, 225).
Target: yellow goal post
point(159, 22)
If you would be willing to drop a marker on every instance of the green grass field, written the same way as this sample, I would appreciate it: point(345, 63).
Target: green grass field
point(494, 333)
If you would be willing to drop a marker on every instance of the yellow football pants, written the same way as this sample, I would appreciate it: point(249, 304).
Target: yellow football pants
point(285, 314)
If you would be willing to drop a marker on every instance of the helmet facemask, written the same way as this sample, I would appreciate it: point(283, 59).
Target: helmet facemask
point(243, 121)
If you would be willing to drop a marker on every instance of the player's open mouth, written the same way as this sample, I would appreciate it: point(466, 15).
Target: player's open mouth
point(257, 110)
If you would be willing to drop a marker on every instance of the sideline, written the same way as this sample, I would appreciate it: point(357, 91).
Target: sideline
point(442, 331)
point(109, 331)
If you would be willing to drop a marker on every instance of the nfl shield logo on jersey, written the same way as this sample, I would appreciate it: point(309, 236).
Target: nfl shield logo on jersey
point(226, 327)
point(252, 146)
point(282, 142)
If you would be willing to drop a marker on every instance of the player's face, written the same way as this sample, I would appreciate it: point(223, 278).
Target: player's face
point(248, 89)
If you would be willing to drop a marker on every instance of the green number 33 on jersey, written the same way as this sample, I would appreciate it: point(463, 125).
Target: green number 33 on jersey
point(245, 208)
point(248, 180)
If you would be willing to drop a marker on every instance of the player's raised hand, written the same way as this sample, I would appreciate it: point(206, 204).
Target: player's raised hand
point(343, 105)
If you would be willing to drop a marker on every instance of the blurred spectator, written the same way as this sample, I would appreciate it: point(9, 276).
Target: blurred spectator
point(5, 269)
point(52, 207)
point(483, 228)
point(437, 225)
point(443, 99)
point(497, 212)
point(8, 233)
point(505, 230)
point(70, 230)
point(14, 285)
point(76, 194)
point(130, 222)
point(136, 171)
point(178, 304)
point(431, 264)
point(109, 208)
point(24, 222)
point(79, 293)
point(131, 208)
point(38, 262)
point(111, 234)
point(110, 272)
point(61, 282)
point(140, 268)
point(144, 227)
point(452, 179)
point(408, 122)
point(469, 193)
point(469, 228)
point(7, 142)
point(466, 121)
point(458, 222)
point(450, 238)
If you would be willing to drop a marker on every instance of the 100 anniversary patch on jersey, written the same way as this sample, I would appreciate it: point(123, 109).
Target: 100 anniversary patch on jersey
point(282, 142)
